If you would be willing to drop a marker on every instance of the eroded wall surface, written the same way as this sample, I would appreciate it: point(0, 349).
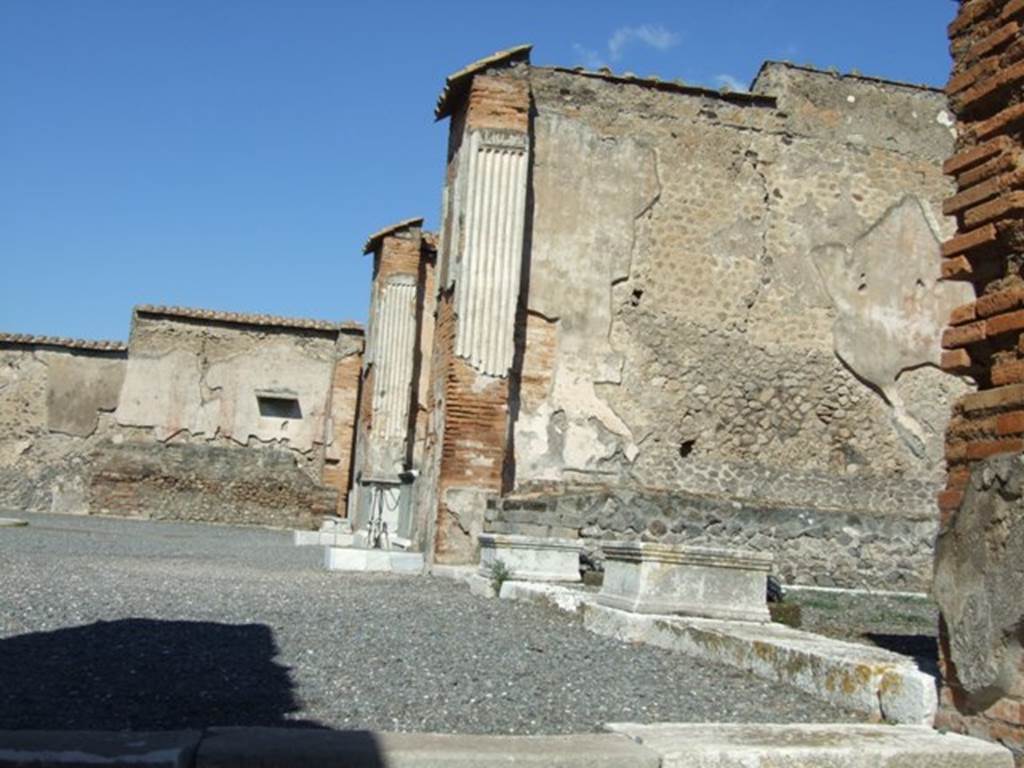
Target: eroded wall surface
point(171, 425)
point(741, 298)
point(193, 381)
point(55, 406)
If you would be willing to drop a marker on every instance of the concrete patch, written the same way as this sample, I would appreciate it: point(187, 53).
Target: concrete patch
point(315, 748)
point(69, 749)
point(715, 745)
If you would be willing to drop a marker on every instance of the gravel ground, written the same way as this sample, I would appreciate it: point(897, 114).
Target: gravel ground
point(120, 624)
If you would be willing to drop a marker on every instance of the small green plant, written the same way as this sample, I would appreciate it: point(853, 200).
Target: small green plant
point(500, 573)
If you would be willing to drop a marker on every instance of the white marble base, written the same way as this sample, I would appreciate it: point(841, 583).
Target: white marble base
point(372, 560)
point(644, 577)
point(333, 532)
point(530, 558)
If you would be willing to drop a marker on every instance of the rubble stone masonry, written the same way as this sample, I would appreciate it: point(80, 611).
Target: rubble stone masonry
point(979, 568)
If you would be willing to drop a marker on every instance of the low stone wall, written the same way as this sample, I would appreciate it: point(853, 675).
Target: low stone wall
point(202, 483)
point(830, 548)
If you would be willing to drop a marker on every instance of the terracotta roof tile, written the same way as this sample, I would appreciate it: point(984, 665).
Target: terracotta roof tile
point(31, 340)
point(374, 240)
point(239, 318)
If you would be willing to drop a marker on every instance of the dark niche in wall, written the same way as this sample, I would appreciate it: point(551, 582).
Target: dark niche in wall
point(279, 407)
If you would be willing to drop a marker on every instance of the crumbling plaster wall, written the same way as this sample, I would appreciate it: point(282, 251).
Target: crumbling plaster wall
point(191, 381)
point(55, 407)
point(739, 298)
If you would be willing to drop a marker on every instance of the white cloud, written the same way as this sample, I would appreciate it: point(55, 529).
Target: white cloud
point(588, 57)
point(730, 82)
point(653, 35)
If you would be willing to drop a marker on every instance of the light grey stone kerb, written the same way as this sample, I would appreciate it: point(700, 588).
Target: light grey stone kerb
point(755, 745)
point(644, 577)
point(531, 558)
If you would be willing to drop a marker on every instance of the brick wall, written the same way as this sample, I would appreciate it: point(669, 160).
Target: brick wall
point(984, 337)
point(471, 448)
point(466, 446)
point(344, 402)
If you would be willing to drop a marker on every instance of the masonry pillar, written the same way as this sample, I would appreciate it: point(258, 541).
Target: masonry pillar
point(340, 438)
point(979, 561)
point(388, 411)
point(480, 264)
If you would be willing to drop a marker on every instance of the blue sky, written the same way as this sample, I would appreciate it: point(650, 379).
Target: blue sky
point(235, 154)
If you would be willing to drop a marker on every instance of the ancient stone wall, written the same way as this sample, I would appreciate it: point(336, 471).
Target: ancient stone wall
point(725, 312)
point(74, 413)
point(206, 483)
point(980, 549)
point(740, 299)
point(190, 379)
point(56, 404)
point(811, 546)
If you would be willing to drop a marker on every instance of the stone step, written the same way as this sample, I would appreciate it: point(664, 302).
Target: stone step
point(626, 745)
point(314, 748)
point(738, 745)
point(373, 560)
point(325, 539)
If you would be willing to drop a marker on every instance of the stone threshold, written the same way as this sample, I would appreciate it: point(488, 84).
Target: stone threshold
point(883, 685)
point(373, 560)
point(670, 745)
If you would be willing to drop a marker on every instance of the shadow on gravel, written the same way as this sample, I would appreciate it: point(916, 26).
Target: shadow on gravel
point(141, 674)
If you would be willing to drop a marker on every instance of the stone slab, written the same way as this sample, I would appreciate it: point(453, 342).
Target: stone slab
point(372, 560)
point(531, 558)
point(324, 539)
point(71, 749)
point(317, 748)
point(879, 683)
point(718, 745)
point(645, 577)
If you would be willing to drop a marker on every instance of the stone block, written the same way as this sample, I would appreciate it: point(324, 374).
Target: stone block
point(693, 581)
point(529, 558)
point(730, 745)
point(880, 683)
point(372, 560)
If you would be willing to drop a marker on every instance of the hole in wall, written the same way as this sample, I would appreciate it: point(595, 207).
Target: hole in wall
point(637, 295)
point(686, 448)
point(279, 407)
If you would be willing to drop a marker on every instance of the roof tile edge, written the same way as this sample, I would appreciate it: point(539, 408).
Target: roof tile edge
point(456, 82)
point(241, 318)
point(90, 345)
point(374, 240)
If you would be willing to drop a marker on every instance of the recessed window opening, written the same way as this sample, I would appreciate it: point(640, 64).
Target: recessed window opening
point(277, 407)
